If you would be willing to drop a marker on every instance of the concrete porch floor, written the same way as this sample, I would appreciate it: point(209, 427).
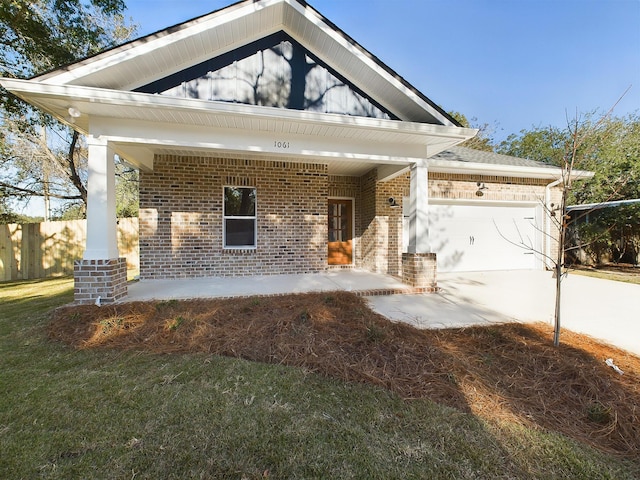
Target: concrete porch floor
point(604, 309)
point(359, 281)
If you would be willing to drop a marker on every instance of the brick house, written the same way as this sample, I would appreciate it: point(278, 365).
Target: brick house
point(268, 142)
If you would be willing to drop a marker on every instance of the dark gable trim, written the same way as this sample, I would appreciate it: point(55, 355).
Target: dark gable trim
point(224, 60)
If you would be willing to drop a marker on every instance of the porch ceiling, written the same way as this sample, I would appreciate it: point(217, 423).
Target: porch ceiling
point(140, 125)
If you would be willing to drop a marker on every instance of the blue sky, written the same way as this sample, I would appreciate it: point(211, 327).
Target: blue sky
point(511, 63)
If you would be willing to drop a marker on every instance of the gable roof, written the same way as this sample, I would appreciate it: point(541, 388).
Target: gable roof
point(176, 48)
point(470, 155)
point(273, 71)
point(99, 96)
point(458, 159)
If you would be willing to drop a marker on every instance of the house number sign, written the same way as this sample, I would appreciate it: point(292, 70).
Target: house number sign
point(281, 144)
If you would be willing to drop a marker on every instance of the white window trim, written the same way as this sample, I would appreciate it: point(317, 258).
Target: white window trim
point(225, 218)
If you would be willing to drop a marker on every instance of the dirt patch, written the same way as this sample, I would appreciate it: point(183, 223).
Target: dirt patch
point(506, 372)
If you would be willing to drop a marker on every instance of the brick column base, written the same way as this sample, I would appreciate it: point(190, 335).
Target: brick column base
point(419, 271)
point(106, 279)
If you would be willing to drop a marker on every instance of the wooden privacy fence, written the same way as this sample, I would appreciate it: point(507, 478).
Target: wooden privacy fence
point(48, 249)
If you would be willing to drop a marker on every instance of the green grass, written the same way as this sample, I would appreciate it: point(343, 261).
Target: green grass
point(608, 275)
point(108, 414)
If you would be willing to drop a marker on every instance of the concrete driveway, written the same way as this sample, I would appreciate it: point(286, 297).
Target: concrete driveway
point(603, 309)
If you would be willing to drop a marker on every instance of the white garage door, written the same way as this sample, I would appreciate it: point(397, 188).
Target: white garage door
point(482, 237)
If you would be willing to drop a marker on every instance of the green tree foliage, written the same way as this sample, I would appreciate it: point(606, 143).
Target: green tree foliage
point(609, 147)
point(540, 144)
point(40, 156)
point(606, 235)
point(612, 234)
point(40, 35)
point(483, 140)
point(6, 216)
point(615, 158)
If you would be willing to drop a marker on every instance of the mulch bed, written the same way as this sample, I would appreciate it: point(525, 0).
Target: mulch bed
point(508, 372)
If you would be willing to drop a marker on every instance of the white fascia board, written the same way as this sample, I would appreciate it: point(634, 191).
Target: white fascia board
point(552, 173)
point(90, 100)
point(581, 174)
point(448, 166)
point(184, 137)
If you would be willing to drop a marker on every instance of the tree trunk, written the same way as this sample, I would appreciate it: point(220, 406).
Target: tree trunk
point(45, 178)
point(562, 230)
point(556, 326)
point(72, 171)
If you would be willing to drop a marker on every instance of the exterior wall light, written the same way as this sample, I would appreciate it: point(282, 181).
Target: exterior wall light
point(73, 114)
point(481, 187)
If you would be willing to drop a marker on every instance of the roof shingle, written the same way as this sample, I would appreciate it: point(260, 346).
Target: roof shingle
point(469, 155)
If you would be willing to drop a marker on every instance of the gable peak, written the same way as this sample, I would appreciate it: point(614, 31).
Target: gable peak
point(174, 49)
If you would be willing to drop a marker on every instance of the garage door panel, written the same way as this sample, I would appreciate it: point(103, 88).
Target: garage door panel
point(472, 238)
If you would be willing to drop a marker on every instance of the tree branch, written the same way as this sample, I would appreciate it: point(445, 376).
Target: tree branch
point(35, 193)
point(73, 172)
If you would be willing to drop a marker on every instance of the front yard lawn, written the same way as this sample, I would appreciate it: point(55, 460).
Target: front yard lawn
point(628, 274)
point(321, 387)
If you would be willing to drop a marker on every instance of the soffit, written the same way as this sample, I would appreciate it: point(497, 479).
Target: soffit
point(141, 125)
point(99, 102)
point(471, 168)
point(335, 166)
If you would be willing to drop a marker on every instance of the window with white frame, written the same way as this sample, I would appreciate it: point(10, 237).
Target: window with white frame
point(239, 217)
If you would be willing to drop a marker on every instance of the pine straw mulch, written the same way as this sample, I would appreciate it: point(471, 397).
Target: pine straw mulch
point(507, 372)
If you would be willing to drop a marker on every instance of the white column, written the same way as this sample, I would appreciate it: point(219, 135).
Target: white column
point(102, 241)
point(419, 209)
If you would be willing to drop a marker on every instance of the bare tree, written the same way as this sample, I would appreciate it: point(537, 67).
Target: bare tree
point(38, 155)
point(575, 149)
point(35, 164)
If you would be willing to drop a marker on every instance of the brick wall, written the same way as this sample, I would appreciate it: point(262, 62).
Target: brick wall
point(458, 186)
point(368, 233)
point(381, 235)
point(419, 270)
point(105, 280)
point(181, 217)
point(390, 223)
point(499, 188)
